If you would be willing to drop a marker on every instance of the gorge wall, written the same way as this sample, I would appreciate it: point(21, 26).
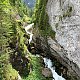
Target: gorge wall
point(64, 18)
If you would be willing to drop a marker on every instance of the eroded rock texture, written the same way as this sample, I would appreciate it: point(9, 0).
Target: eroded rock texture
point(64, 17)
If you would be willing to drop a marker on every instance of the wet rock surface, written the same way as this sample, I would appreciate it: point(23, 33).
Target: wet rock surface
point(47, 72)
point(20, 63)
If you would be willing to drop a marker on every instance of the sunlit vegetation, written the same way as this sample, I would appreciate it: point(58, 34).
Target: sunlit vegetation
point(41, 19)
point(36, 69)
point(12, 13)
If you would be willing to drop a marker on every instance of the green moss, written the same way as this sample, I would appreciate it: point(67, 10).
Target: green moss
point(6, 70)
point(41, 19)
point(26, 19)
point(10, 73)
point(37, 66)
point(19, 39)
point(11, 36)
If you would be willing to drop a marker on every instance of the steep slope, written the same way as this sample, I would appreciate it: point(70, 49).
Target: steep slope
point(12, 40)
point(64, 20)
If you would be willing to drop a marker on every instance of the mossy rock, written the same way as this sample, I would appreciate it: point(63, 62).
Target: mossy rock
point(10, 73)
point(37, 66)
point(41, 19)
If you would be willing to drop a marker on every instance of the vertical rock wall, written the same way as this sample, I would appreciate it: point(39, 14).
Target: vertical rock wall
point(64, 17)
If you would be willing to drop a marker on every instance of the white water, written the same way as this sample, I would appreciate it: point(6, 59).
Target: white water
point(48, 64)
point(28, 29)
point(19, 77)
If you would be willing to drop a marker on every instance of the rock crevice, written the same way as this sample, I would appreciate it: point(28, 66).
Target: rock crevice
point(64, 19)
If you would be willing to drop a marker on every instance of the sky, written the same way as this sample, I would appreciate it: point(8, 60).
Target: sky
point(30, 3)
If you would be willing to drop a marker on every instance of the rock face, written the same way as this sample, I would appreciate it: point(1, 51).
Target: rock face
point(64, 18)
point(47, 72)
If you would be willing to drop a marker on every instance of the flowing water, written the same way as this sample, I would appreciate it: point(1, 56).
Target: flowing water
point(48, 62)
point(28, 29)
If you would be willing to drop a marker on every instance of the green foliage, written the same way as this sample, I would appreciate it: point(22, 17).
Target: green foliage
point(3, 62)
point(12, 15)
point(12, 2)
point(6, 70)
point(37, 66)
point(21, 40)
point(41, 19)
point(9, 73)
point(11, 32)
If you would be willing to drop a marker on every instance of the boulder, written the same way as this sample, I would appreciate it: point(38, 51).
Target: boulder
point(47, 72)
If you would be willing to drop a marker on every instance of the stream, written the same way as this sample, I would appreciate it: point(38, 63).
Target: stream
point(28, 29)
point(48, 64)
point(47, 61)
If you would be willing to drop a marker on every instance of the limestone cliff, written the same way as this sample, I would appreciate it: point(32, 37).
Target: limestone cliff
point(64, 18)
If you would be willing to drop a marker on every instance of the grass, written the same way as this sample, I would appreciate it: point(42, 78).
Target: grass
point(10, 73)
point(41, 19)
point(6, 70)
point(37, 66)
